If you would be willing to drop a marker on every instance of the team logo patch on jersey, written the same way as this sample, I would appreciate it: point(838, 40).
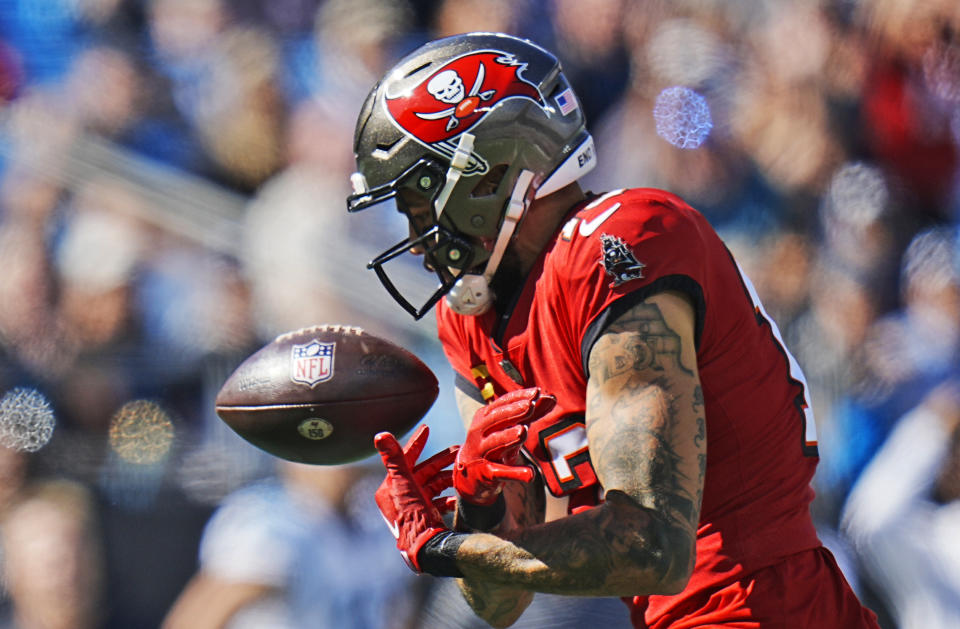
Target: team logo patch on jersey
point(457, 96)
point(618, 260)
point(312, 363)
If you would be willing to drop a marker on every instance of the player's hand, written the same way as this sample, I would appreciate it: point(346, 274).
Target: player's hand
point(490, 453)
point(409, 498)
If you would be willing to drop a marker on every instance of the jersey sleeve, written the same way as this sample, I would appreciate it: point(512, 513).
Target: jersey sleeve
point(455, 342)
point(452, 340)
point(623, 249)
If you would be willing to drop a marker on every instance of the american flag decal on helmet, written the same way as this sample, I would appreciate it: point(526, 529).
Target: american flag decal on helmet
point(566, 101)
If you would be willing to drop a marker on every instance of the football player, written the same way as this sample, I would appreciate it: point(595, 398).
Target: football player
point(611, 356)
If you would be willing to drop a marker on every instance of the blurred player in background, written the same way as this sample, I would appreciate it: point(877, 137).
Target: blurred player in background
point(282, 554)
point(904, 511)
point(636, 427)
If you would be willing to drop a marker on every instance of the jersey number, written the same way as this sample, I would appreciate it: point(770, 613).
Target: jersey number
point(796, 374)
point(563, 456)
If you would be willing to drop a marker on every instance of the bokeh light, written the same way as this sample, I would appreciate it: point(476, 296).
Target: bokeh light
point(682, 117)
point(857, 194)
point(141, 432)
point(26, 420)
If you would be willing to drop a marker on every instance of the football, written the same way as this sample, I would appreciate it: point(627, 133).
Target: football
point(320, 394)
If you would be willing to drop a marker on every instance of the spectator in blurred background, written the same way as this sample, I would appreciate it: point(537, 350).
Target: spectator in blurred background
point(225, 84)
point(164, 166)
point(910, 98)
point(52, 561)
point(905, 353)
point(26, 321)
point(904, 513)
point(13, 474)
point(305, 550)
point(590, 33)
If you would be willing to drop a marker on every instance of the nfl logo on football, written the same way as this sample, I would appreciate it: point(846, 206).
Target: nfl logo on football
point(312, 363)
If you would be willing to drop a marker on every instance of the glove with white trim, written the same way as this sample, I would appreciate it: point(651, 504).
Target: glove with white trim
point(410, 502)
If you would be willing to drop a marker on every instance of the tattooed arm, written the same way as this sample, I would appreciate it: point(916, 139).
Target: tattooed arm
point(647, 429)
point(647, 435)
point(501, 605)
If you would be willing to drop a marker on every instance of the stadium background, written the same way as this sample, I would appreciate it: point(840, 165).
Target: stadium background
point(172, 183)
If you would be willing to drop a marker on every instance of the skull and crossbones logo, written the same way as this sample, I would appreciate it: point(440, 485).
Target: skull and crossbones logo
point(448, 87)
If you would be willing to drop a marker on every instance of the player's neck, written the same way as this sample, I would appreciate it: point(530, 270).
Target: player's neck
point(540, 223)
point(538, 227)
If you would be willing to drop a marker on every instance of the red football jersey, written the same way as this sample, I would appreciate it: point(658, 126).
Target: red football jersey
point(613, 252)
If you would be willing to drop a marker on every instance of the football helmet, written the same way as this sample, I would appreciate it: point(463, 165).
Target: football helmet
point(461, 136)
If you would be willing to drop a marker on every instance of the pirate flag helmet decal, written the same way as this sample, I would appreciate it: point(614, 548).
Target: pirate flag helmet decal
point(458, 95)
point(461, 136)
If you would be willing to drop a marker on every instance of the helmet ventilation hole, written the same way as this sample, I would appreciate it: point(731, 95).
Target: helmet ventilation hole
point(490, 182)
point(417, 69)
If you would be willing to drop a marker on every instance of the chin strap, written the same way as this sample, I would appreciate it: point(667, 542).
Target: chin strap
point(515, 209)
point(461, 157)
point(471, 295)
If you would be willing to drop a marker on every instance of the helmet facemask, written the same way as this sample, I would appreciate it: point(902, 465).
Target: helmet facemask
point(415, 194)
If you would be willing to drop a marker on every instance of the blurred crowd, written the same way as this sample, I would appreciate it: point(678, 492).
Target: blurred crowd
point(172, 184)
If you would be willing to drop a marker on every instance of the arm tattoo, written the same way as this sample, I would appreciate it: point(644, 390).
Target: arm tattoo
point(647, 430)
point(527, 503)
point(494, 603)
point(499, 604)
point(646, 396)
point(615, 549)
point(651, 344)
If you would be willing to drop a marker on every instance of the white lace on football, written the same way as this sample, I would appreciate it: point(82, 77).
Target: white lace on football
point(325, 327)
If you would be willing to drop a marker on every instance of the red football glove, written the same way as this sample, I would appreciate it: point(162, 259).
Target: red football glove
point(408, 497)
point(490, 453)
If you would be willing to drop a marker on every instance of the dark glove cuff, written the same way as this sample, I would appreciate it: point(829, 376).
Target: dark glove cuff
point(481, 517)
point(439, 555)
